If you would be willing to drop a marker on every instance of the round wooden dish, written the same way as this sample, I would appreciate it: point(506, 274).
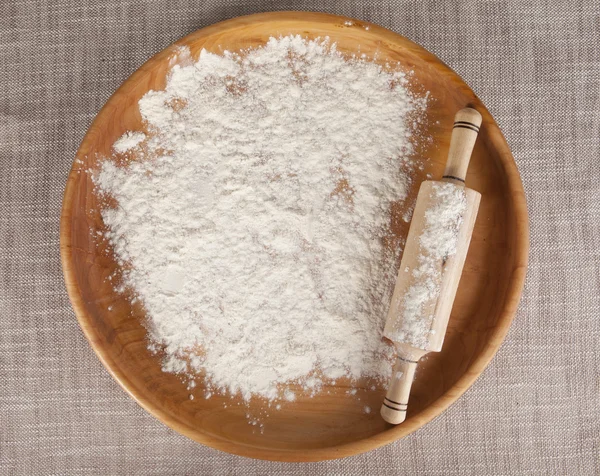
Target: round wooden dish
point(326, 426)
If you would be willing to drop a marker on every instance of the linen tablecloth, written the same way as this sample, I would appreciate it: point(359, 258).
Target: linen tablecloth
point(535, 410)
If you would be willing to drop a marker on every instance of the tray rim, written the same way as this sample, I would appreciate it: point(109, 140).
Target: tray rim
point(513, 294)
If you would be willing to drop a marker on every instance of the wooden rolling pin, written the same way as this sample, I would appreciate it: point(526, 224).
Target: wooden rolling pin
point(432, 262)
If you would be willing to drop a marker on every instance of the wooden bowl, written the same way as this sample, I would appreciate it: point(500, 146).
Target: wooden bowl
point(330, 425)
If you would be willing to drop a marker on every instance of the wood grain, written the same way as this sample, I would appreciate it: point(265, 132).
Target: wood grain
point(331, 425)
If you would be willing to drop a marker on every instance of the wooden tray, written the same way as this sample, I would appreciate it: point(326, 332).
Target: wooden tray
point(333, 425)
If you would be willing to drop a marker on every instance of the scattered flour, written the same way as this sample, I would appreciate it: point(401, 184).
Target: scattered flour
point(253, 224)
point(437, 242)
point(128, 141)
point(289, 395)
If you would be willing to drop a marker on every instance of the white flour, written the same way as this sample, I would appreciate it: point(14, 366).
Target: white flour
point(437, 242)
point(128, 141)
point(253, 226)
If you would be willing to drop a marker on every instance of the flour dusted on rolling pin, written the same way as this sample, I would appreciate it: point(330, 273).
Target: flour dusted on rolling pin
point(437, 243)
point(253, 219)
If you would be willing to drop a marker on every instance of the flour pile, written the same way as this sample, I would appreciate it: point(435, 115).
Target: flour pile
point(253, 216)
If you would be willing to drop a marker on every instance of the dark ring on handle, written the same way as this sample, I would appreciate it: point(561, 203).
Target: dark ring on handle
point(467, 127)
point(466, 124)
point(392, 408)
point(453, 178)
point(409, 361)
point(396, 403)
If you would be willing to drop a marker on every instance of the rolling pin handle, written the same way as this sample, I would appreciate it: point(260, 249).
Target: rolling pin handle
point(395, 403)
point(466, 127)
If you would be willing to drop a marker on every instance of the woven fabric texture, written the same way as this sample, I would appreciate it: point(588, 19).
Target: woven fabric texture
point(535, 410)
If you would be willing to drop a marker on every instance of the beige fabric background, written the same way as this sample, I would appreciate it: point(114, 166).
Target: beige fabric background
point(535, 410)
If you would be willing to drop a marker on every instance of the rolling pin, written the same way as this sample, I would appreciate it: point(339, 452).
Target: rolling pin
point(431, 266)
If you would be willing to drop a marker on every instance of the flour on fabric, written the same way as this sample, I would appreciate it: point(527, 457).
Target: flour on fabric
point(253, 223)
